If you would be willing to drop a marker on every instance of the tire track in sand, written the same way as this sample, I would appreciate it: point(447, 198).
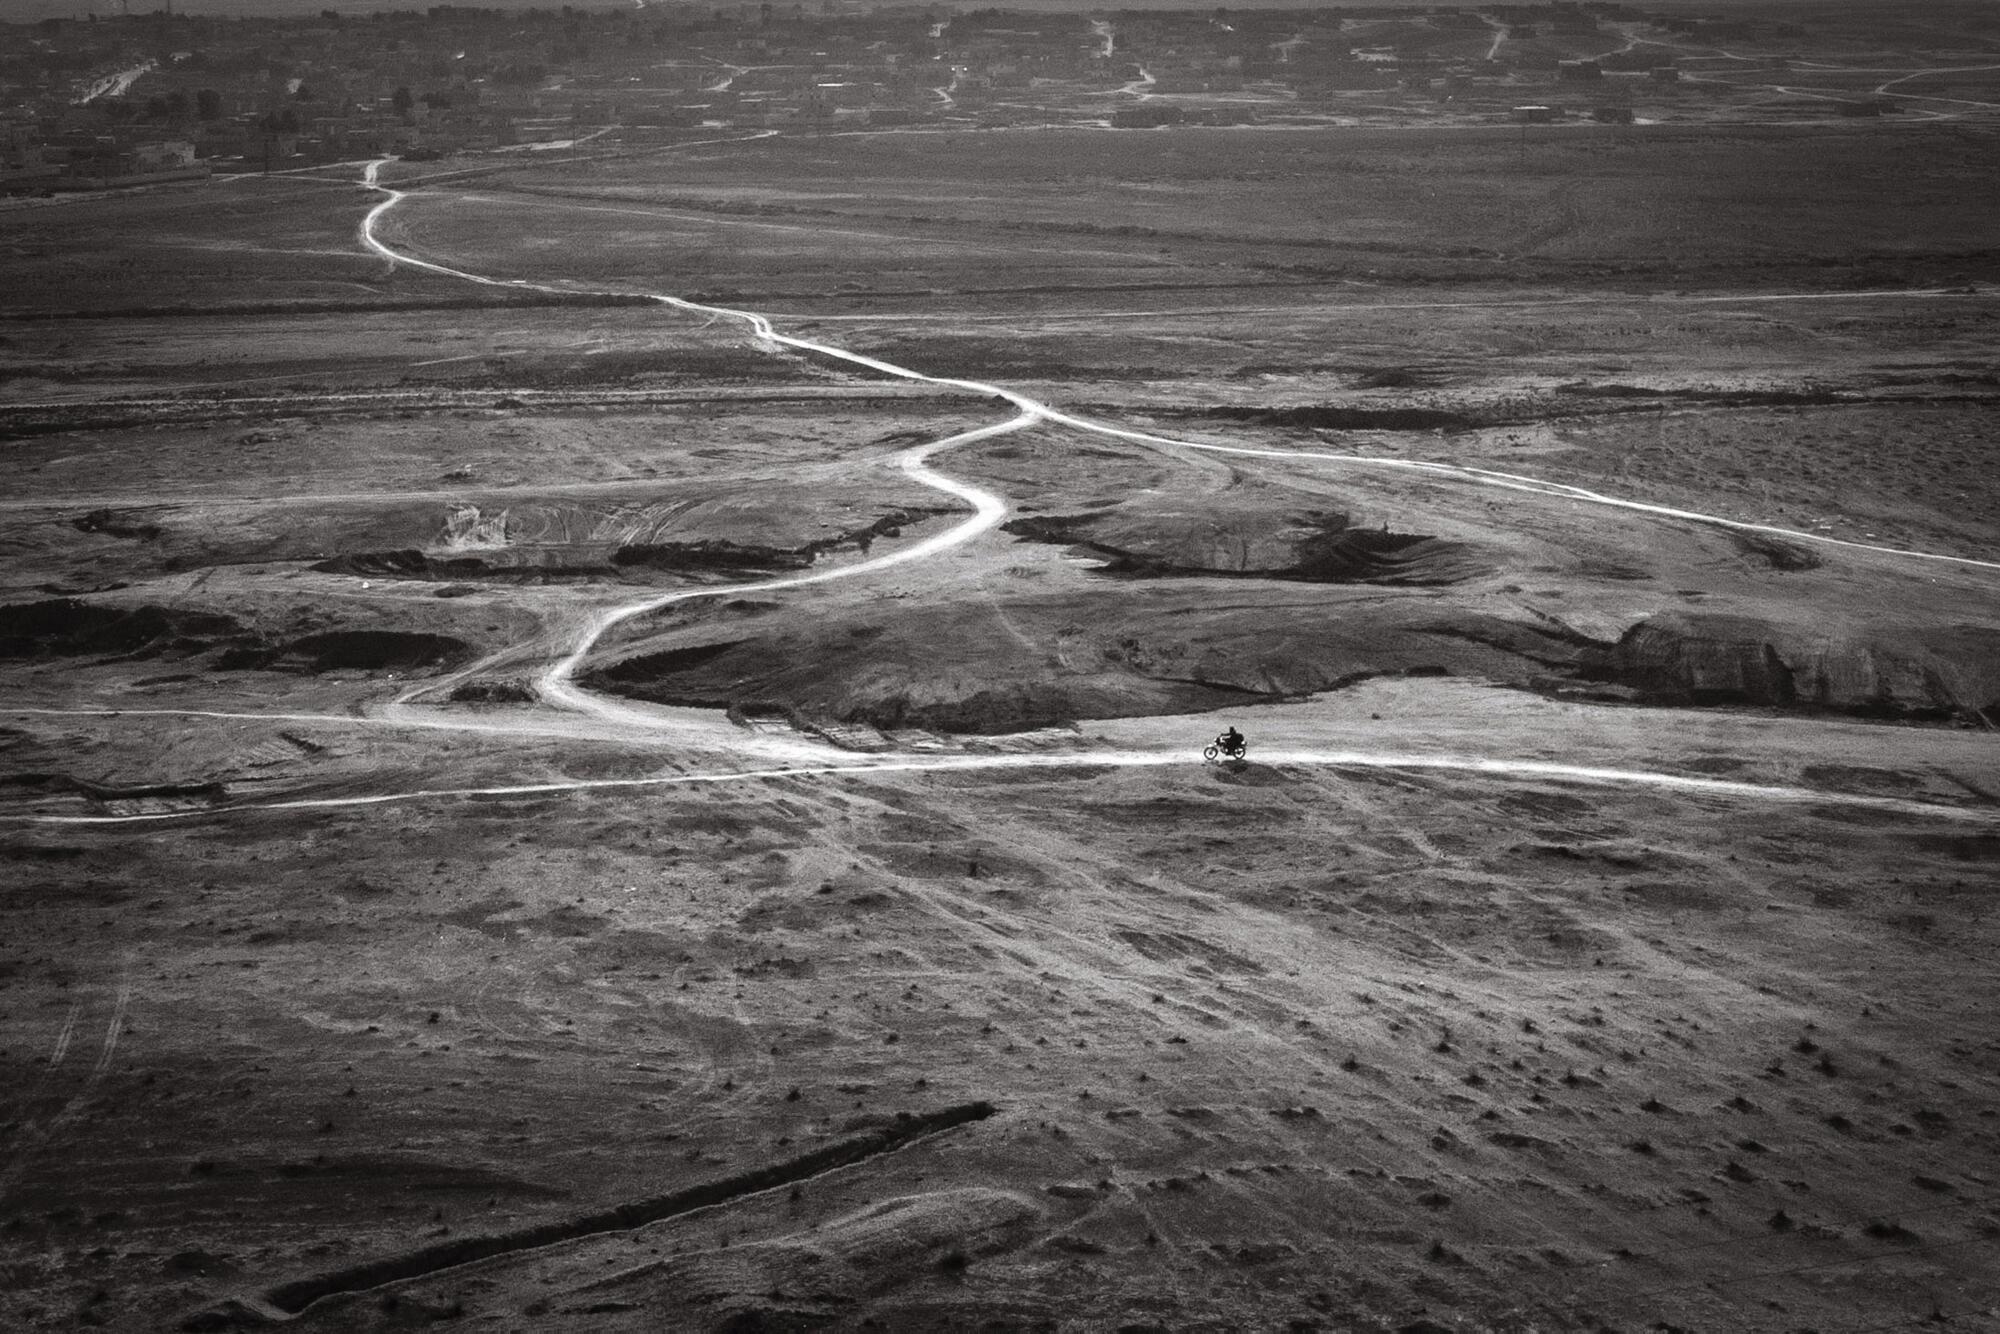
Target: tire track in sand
point(36, 1137)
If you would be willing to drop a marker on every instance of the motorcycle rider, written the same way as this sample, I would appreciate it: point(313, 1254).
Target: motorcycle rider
point(1231, 741)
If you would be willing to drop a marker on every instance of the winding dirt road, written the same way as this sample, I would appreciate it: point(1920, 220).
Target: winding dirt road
point(557, 684)
point(762, 327)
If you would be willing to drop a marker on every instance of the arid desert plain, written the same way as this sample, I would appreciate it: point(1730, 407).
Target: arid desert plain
point(612, 740)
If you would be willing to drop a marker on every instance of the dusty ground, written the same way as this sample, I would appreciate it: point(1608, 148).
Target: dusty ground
point(1057, 1042)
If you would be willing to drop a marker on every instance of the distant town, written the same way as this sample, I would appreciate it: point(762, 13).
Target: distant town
point(98, 103)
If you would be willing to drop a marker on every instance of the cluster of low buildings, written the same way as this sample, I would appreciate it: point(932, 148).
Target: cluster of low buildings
point(31, 160)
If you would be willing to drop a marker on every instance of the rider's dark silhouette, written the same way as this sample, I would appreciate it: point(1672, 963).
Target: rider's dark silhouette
point(1231, 741)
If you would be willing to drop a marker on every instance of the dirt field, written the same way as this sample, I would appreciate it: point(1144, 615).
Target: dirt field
point(1597, 540)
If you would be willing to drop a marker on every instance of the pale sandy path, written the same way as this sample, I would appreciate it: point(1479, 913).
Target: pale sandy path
point(1586, 775)
point(557, 683)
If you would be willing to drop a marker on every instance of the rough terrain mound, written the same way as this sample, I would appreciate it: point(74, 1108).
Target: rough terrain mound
point(1105, 655)
point(605, 550)
point(1884, 670)
point(1312, 546)
point(72, 628)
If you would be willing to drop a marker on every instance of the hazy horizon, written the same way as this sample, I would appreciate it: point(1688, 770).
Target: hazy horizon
point(18, 11)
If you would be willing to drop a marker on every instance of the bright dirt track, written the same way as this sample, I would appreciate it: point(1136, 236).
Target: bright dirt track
point(557, 686)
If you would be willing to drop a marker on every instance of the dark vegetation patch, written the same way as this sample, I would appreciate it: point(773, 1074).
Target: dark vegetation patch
point(365, 650)
point(493, 692)
point(650, 666)
point(70, 627)
point(1402, 377)
point(1325, 549)
point(112, 523)
point(716, 555)
point(1785, 557)
point(1961, 847)
point(30, 852)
